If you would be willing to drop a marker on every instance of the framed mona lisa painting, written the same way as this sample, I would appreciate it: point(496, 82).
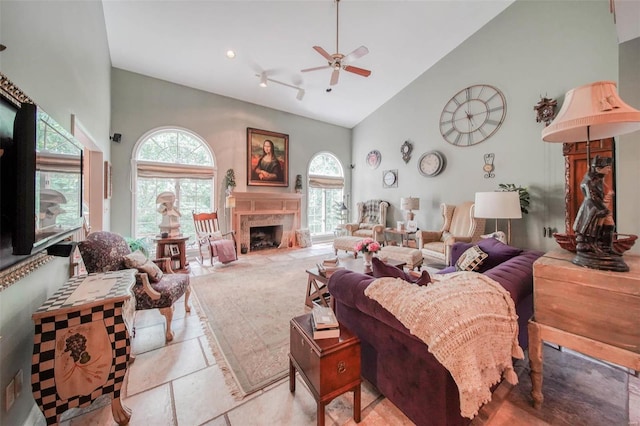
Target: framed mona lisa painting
point(267, 158)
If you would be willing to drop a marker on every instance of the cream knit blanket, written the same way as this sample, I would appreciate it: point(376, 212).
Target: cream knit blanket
point(468, 322)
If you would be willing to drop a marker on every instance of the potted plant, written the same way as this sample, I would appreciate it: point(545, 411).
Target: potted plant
point(230, 181)
point(138, 244)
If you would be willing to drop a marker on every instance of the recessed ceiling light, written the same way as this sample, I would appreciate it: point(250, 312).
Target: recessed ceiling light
point(231, 54)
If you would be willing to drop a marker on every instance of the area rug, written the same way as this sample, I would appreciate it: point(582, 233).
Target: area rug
point(247, 306)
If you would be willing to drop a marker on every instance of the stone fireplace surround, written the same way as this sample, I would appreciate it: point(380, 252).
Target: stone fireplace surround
point(255, 209)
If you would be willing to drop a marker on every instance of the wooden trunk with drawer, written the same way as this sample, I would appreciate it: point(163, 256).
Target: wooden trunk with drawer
point(329, 367)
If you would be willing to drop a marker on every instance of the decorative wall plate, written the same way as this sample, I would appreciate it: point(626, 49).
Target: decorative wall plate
point(373, 159)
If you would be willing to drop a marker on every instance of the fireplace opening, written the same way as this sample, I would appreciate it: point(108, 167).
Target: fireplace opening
point(265, 237)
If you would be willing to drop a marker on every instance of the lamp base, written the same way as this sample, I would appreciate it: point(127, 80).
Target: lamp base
point(601, 261)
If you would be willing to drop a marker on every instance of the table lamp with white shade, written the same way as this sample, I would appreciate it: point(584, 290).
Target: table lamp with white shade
point(498, 205)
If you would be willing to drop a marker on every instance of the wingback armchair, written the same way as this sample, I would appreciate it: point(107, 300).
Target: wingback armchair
point(459, 225)
point(154, 288)
point(372, 219)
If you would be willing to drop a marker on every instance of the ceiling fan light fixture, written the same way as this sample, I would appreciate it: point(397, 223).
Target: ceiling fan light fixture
point(231, 54)
point(300, 94)
point(263, 79)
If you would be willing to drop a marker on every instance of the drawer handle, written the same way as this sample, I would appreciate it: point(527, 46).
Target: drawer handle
point(342, 367)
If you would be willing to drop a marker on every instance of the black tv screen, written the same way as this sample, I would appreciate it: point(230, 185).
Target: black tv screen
point(41, 179)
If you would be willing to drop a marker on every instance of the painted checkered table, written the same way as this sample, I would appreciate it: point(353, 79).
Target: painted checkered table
point(81, 345)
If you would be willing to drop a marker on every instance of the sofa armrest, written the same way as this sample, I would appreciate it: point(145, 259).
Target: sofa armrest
point(146, 286)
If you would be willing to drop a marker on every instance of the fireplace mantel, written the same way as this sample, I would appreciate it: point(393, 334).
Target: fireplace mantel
point(269, 208)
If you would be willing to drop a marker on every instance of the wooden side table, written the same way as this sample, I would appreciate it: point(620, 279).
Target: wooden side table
point(81, 344)
point(591, 311)
point(167, 247)
point(329, 367)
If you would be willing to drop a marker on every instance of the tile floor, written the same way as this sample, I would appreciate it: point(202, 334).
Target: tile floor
point(181, 384)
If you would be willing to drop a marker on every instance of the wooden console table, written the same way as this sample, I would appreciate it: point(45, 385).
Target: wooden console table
point(591, 311)
point(81, 345)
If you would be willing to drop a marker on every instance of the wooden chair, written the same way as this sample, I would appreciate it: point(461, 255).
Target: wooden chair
point(215, 242)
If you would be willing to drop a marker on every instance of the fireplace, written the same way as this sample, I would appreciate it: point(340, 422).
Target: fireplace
point(264, 237)
point(265, 210)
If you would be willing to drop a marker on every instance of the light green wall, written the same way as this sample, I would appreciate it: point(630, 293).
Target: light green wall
point(57, 54)
point(532, 49)
point(141, 104)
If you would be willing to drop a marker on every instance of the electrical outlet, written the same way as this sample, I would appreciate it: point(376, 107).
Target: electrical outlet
point(9, 394)
point(17, 387)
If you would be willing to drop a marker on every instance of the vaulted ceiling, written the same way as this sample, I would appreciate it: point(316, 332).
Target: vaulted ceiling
point(186, 41)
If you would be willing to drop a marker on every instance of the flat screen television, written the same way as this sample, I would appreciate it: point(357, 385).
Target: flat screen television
point(40, 178)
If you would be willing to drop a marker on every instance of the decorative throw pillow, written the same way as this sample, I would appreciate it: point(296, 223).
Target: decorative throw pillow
point(304, 238)
point(471, 259)
point(215, 236)
point(286, 239)
point(445, 236)
point(381, 269)
point(140, 262)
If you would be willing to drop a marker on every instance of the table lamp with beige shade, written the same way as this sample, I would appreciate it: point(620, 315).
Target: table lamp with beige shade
point(592, 112)
point(409, 204)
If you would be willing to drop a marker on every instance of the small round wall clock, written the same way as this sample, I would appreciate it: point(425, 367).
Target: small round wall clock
point(431, 163)
point(390, 179)
point(373, 159)
point(473, 115)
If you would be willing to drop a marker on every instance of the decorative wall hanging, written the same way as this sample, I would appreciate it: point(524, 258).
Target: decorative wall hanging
point(406, 149)
point(488, 165)
point(267, 158)
point(373, 159)
point(545, 110)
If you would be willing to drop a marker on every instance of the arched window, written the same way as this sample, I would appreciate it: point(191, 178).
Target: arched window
point(326, 187)
point(175, 160)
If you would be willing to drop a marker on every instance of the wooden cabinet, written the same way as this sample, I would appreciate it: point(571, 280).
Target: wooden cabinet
point(575, 162)
point(174, 248)
point(591, 311)
point(330, 367)
point(81, 344)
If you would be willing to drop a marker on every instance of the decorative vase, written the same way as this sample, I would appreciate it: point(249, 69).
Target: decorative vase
point(367, 258)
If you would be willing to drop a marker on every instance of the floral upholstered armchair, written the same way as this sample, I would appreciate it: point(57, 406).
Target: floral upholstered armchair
point(372, 219)
point(460, 224)
point(155, 287)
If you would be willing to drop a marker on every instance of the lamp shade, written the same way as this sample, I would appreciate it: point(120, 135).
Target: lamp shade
point(410, 203)
point(497, 205)
point(230, 202)
point(595, 108)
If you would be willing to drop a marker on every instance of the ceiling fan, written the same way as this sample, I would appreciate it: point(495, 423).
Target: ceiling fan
point(339, 61)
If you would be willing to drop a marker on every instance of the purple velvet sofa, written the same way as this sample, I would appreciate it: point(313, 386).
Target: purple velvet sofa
point(399, 364)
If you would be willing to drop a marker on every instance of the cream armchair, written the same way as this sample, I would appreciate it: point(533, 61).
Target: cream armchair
point(372, 219)
point(459, 225)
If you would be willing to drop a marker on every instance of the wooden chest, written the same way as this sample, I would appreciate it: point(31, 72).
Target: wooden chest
point(600, 305)
point(330, 367)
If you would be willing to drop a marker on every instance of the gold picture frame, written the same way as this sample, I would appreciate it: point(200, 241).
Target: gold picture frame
point(267, 158)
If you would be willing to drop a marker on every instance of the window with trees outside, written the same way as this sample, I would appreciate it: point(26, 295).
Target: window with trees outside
point(325, 194)
point(173, 160)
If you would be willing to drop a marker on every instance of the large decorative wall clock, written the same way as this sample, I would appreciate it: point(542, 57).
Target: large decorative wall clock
point(473, 115)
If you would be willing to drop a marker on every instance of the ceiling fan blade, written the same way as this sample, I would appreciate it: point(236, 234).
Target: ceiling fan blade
point(324, 53)
point(356, 70)
point(316, 68)
point(334, 77)
point(358, 53)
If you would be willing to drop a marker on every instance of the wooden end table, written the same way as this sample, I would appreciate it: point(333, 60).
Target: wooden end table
point(317, 284)
point(329, 367)
point(591, 311)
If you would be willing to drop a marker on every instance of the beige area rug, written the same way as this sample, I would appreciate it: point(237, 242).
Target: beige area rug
point(246, 308)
